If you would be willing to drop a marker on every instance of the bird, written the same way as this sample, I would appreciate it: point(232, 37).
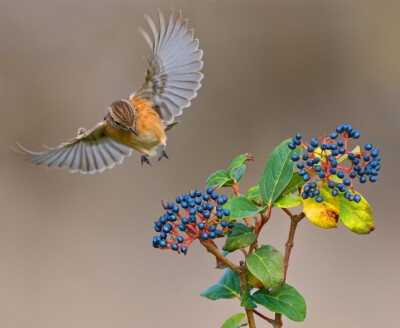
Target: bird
point(140, 121)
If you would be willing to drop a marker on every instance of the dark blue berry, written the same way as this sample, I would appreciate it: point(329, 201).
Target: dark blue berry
point(192, 219)
point(211, 235)
point(226, 212)
point(214, 195)
point(197, 200)
point(221, 201)
point(363, 179)
point(317, 168)
point(302, 172)
point(335, 192)
point(340, 143)
point(206, 197)
point(167, 228)
point(218, 232)
point(332, 170)
point(347, 194)
point(163, 243)
point(201, 225)
point(313, 185)
point(319, 199)
point(206, 214)
point(174, 247)
point(212, 228)
point(298, 136)
point(321, 175)
point(209, 206)
point(219, 215)
point(300, 165)
point(304, 195)
point(296, 141)
point(197, 193)
point(314, 142)
point(209, 190)
point(375, 152)
point(192, 211)
point(342, 150)
point(357, 198)
point(219, 208)
point(368, 146)
point(347, 182)
point(200, 209)
point(305, 157)
point(295, 157)
point(184, 204)
point(183, 249)
point(356, 134)
point(353, 174)
point(310, 162)
point(204, 235)
point(331, 184)
point(179, 239)
point(185, 220)
point(291, 145)
point(333, 135)
point(373, 178)
point(224, 224)
point(340, 174)
point(310, 149)
point(306, 177)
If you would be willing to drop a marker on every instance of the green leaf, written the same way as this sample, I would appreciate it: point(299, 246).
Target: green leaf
point(295, 182)
point(266, 265)
point(287, 301)
point(227, 287)
point(234, 321)
point(242, 236)
point(356, 216)
point(325, 214)
point(254, 195)
point(241, 207)
point(237, 167)
point(288, 201)
point(277, 172)
point(246, 301)
point(220, 178)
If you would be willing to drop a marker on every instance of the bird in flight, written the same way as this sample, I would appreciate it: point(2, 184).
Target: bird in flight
point(138, 122)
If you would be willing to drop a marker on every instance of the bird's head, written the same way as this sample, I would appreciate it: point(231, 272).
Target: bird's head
point(122, 115)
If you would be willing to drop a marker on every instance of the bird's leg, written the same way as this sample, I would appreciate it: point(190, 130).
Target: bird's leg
point(145, 159)
point(163, 153)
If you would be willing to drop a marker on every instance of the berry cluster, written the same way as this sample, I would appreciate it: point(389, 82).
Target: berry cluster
point(323, 160)
point(203, 218)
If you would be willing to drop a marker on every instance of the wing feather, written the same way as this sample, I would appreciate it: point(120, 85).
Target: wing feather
point(173, 76)
point(90, 152)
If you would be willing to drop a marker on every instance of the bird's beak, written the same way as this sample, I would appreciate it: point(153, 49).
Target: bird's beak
point(134, 131)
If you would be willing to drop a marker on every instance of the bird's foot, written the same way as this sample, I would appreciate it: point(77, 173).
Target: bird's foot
point(163, 154)
point(145, 159)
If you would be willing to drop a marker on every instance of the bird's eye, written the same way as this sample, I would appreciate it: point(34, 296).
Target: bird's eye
point(117, 123)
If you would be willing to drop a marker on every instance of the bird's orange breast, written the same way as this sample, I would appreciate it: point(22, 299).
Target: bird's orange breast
point(148, 126)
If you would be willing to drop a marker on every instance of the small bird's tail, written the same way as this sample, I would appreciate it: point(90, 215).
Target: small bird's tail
point(173, 76)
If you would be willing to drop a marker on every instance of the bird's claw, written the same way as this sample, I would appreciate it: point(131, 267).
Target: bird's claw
point(163, 154)
point(145, 159)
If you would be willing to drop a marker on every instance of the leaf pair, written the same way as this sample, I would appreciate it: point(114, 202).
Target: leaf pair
point(227, 178)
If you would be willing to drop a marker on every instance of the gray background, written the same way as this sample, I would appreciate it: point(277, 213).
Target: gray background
point(75, 251)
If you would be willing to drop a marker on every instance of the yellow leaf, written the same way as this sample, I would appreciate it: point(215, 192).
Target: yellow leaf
point(324, 215)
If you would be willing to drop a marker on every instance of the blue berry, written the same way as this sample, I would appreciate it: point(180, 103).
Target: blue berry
point(163, 243)
point(200, 209)
point(211, 235)
point(319, 199)
point(219, 208)
point(310, 162)
point(209, 206)
point(368, 146)
point(174, 247)
point(347, 182)
point(221, 201)
point(179, 239)
point(321, 175)
point(335, 192)
point(300, 165)
point(353, 174)
point(342, 150)
point(363, 179)
point(315, 160)
point(333, 135)
point(339, 128)
point(218, 232)
point(314, 142)
point(373, 178)
point(332, 170)
point(295, 157)
point(302, 172)
point(305, 157)
point(192, 219)
point(204, 235)
point(375, 152)
point(317, 168)
point(340, 143)
point(206, 214)
point(209, 190)
point(185, 220)
point(310, 149)
point(219, 215)
point(335, 152)
point(197, 200)
point(340, 174)
point(226, 211)
point(296, 141)
point(201, 225)
point(356, 134)
point(191, 194)
point(306, 177)
point(206, 197)
point(183, 249)
point(167, 228)
point(291, 145)
point(214, 195)
point(316, 192)
point(224, 224)
point(313, 185)
point(351, 156)
point(197, 193)
point(347, 194)
point(331, 184)
point(192, 211)
point(184, 204)
point(304, 195)
point(212, 228)
point(324, 147)
point(298, 136)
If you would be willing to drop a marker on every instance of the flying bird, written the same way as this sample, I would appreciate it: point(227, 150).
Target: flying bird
point(140, 121)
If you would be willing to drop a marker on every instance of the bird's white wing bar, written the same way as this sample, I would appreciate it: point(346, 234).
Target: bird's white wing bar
point(90, 152)
point(173, 76)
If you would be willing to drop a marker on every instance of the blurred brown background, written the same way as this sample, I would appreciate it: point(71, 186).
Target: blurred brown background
point(75, 250)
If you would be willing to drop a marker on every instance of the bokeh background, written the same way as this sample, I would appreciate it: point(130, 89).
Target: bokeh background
point(75, 250)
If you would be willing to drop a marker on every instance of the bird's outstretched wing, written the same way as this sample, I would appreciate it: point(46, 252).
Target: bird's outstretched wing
point(173, 76)
point(90, 152)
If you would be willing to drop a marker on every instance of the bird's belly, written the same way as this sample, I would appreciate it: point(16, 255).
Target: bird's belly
point(146, 143)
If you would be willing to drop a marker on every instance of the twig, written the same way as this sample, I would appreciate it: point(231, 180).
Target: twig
point(213, 249)
point(263, 316)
